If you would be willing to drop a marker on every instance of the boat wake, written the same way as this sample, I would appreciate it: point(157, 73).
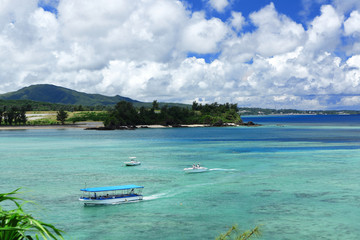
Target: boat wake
point(176, 191)
point(224, 170)
point(155, 196)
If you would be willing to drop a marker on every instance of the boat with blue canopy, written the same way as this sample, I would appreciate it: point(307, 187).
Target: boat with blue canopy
point(111, 195)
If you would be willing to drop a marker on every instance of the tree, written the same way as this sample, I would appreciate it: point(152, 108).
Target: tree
point(61, 116)
point(16, 113)
point(195, 106)
point(22, 116)
point(155, 105)
point(1, 115)
point(124, 114)
point(16, 224)
point(10, 115)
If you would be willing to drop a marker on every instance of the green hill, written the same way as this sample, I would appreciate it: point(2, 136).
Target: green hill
point(60, 95)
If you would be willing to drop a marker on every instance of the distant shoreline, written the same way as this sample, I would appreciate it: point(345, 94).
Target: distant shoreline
point(99, 125)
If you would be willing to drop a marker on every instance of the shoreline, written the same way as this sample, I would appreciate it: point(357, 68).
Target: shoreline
point(27, 127)
point(84, 126)
point(99, 125)
point(80, 125)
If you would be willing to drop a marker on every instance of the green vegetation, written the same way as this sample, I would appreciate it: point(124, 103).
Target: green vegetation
point(42, 122)
point(95, 107)
point(16, 224)
point(54, 94)
point(89, 116)
point(30, 105)
point(236, 234)
point(61, 116)
point(46, 97)
point(125, 114)
point(13, 115)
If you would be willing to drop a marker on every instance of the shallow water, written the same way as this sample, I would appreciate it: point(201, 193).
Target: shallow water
point(297, 181)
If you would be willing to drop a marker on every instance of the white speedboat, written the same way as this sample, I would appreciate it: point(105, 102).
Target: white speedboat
point(132, 162)
point(111, 195)
point(196, 169)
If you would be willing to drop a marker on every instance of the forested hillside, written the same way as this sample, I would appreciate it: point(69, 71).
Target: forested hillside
point(60, 95)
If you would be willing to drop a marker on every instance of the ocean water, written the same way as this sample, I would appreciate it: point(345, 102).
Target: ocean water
point(295, 178)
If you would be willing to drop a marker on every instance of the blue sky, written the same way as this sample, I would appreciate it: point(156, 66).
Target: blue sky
point(293, 8)
point(300, 11)
point(302, 54)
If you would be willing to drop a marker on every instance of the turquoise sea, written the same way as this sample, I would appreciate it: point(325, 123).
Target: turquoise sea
point(297, 177)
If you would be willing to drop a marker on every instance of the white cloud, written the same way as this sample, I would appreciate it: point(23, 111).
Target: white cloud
point(275, 34)
point(352, 24)
point(350, 101)
point(203, 36)
point(219, 5)
point(130, 78)
point(345, 6)
point(142, 49)
point(237, 20)
point(324, 33)
point(354, 61)
point(45, 27)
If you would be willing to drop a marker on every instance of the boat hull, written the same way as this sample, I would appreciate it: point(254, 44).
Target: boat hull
point(111, 201)
point(129, 164)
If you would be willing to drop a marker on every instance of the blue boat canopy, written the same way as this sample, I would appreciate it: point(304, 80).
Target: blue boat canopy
point(111, 188)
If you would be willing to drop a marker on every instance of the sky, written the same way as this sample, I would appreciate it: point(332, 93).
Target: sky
point(298, 54)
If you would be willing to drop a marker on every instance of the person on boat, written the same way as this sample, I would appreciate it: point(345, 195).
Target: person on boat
point(193, 166)
point(198, 165)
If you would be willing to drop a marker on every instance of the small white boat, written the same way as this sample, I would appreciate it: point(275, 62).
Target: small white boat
point(111, 195)
point(132, 162)
point(196, 169)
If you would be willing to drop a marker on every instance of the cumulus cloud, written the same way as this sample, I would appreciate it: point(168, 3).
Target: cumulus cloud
point(275, 34)
point(352, 24)
point(219, 5)
point(324, 33)
point(354, 61)
point(237, 20)
point(346, 6)
point(150, 49)
point(203, 36)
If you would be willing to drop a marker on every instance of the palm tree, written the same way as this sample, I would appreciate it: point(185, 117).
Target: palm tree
point(234, 233)
point(16, 224)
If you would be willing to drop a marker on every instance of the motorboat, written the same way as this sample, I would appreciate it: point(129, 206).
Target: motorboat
point(111, 195)
point(132, 162)
point(196, 169)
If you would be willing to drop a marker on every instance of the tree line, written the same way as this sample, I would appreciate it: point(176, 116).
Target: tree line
point(13, 115)
point(46, 106)
point(125, 114)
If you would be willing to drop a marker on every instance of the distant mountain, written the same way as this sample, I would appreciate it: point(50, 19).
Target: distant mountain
point(60, 95)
